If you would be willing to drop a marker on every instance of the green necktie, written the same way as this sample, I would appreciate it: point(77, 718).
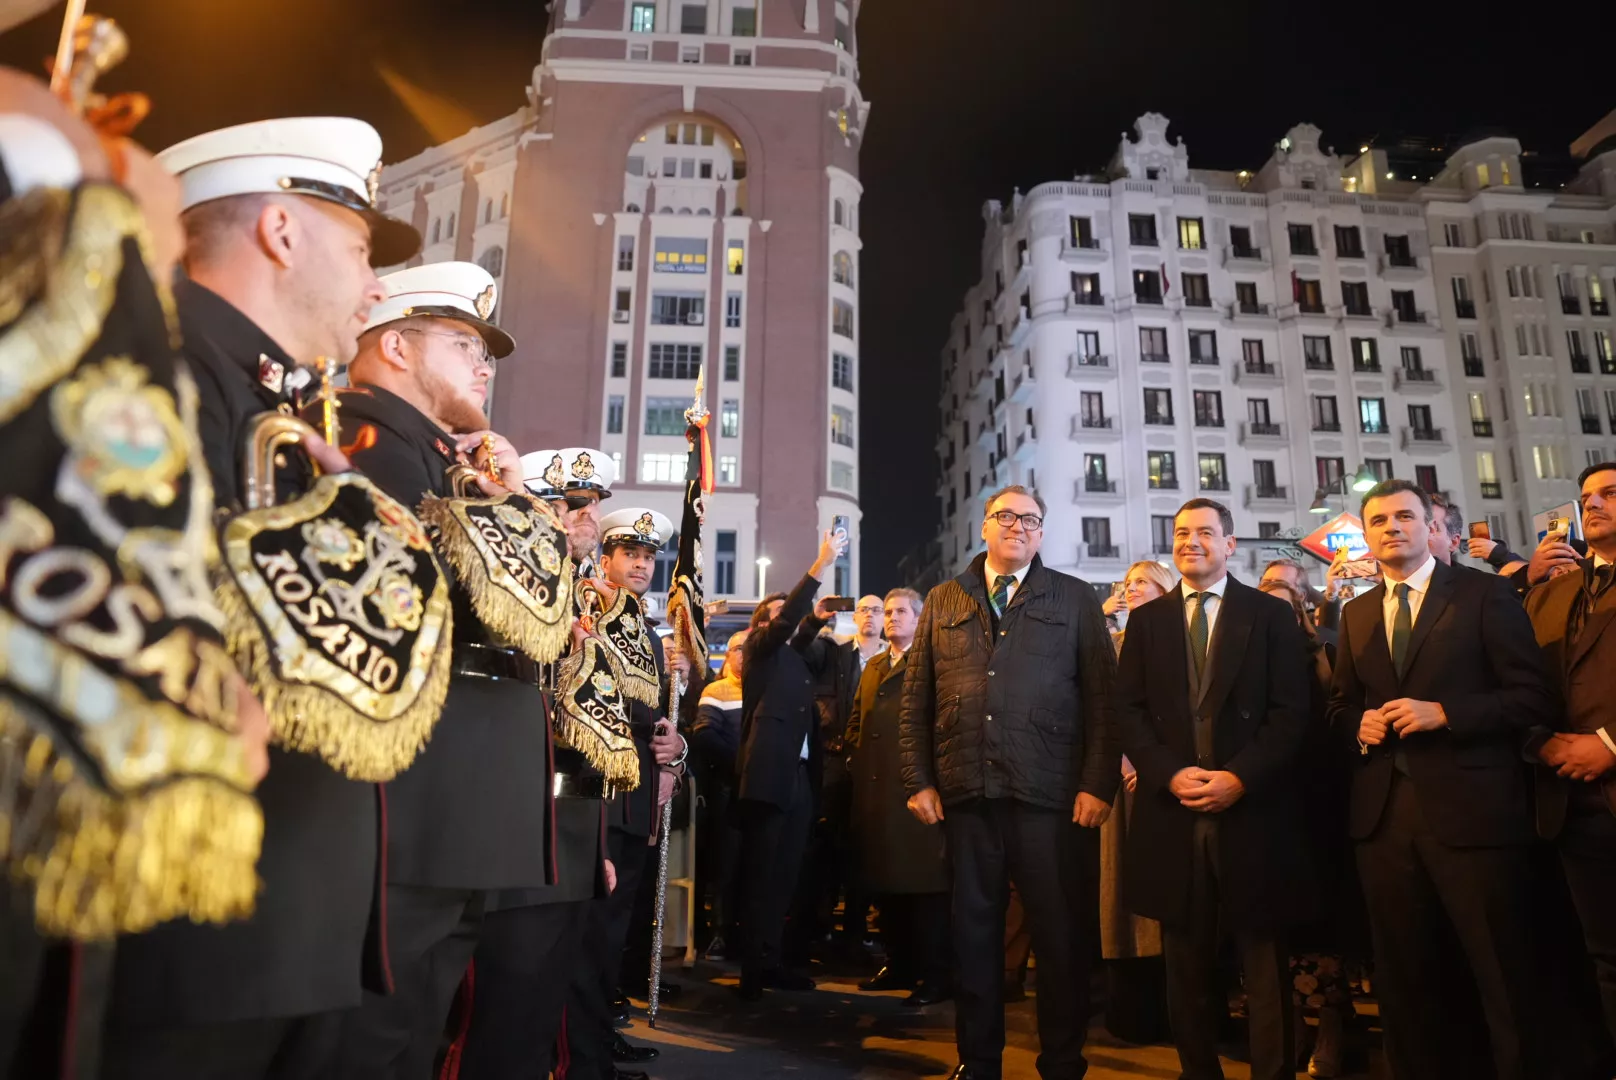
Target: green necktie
point(1198, 632)
point(1001, 592)
point(1402, 627)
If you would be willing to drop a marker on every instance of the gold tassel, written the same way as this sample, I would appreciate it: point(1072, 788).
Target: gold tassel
point(313, 720)
point(636, 681)
point(103, 864)
point(501, 604)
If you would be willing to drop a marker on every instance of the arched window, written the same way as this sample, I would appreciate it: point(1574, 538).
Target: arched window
point(493, 260)
point(437, 230)
point(838, 212)
point(842, 268)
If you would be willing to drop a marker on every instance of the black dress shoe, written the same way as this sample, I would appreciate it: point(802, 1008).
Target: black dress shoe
point(618, 1008)
point(887, 979)
point(965, 1072)
point(786, 979)
point(627, 1053)
point(928, 994)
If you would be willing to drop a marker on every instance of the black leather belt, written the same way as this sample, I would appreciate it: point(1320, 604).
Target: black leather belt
point(488, 662)
point(572, 786)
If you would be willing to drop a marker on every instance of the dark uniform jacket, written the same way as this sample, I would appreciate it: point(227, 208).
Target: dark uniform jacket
point(1018, 707)
point(1580, 671)
point(1472, 651)
point(777, 707)
point(898, 853)
point(474, 809)
point(1247, 715)
point(305, 948)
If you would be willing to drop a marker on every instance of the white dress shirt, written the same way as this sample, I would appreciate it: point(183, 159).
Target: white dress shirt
point(990, 574)
point(1418, 583)
point(895, 656)
point(1213, 601)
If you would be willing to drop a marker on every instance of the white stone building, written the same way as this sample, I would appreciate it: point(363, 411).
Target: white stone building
point(1167, 332)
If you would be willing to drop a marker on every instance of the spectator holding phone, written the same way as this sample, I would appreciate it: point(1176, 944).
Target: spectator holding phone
point(778, 768)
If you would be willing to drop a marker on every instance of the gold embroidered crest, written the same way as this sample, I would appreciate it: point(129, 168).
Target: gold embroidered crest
point(124, 436)
point(583, 466)
point(485, 303)
point(645, 526)
point(556, 474)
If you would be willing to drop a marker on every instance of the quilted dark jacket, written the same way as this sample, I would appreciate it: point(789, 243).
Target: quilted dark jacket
point(1026, 715)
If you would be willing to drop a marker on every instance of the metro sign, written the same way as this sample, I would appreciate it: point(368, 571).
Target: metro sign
point(1342, 531)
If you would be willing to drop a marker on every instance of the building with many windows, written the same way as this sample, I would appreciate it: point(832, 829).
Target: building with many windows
point(678, 197)
point(1164, 332)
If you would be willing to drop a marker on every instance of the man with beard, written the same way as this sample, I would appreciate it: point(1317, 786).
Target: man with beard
point(281, 236)
point(472, 814)
point(529, 962)
point(630, 540)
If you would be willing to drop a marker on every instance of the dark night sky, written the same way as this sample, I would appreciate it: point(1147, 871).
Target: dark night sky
point(963, 109)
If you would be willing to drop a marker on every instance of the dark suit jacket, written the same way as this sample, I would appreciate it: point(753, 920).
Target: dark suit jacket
point(777, 706)
point(1255, 693)
point(1472, 652)
point(1581, 678)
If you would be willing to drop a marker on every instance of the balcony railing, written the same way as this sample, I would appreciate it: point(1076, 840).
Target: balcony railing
point(1492, 489)
point(1309, 249)
point(1154, 358)
point(1316, 363)
point(1590, 425)
point(1085, 299)
point(1143, 241)
point(1254, 253)
point(1599, 307)
point(1370, 427)
point(1581, 365)
point(1198, 301)
point(1086, 364)
point(1410, 315)
point(1214, 483)
point(1473, 368)
point(1329, 426)
point(1203, 359)
point(1266, 493)
point(1483, 428)
point(1163, 483)
point(1158, 420)
point(1085, 243)
point(1263, 368)
point(1362, 311)
point(1425, 434)
point(1269, 430)
point(1310, 309)
point(1101, 551)
point(1099, 486)
point(1373, 368)
point(1465, 309)
point(1570, 305)
point(1419, 375)
point(1206, 421)
point(1146, 298)
point(1400, 260)
point(1098, 423)
point(1251, 307)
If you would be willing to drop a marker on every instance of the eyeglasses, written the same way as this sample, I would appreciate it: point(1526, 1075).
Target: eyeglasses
point(1007, 518)
point(473, 348)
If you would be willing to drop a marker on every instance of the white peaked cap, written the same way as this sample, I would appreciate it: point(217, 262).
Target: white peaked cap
point(444, 290)
point(636, 524)
point(335, 158)
point(544, 473)
point(586, 469)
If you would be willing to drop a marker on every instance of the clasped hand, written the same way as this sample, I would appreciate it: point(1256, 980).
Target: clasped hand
point(1206, 791)
point(1402, 715)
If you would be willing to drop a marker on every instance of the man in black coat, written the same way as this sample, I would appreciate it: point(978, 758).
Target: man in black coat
point(1009, 738)
point(1439, 677)
point(1212, 685)
point(279, 275)
point(777, 770)
point(475, 812)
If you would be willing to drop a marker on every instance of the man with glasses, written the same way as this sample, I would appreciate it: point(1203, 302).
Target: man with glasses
point(1010, 743)
point(472, 815)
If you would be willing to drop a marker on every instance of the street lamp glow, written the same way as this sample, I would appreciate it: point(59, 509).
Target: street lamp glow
point(763, 564)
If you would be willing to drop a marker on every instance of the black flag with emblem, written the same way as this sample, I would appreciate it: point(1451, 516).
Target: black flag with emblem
point(687, 612)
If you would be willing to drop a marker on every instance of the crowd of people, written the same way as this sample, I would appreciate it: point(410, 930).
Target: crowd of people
point(429, 848)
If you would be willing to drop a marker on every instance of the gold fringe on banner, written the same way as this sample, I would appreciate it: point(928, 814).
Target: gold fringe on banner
point(623, 630)
point(314, 720)
point(533, 612)
point(590, 717)
point(103, 864)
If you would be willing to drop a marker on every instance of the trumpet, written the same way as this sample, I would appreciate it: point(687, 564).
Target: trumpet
point(269, 433)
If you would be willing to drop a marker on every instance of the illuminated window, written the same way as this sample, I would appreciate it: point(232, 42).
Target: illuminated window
point(735, 257)
point(729, 470)
point(842, 269)
point(662, 468)
point(729, 419)
point(1481, 175)
point(842, 318)
point(642, 19)
point(1189, 234)
point(1161, 469)
point(841, 121)
point(841, 426)
point(1503, 173)
point(680, 255)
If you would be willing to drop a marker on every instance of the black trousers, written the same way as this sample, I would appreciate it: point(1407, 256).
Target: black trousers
point(522, 978)
point(286, 1048)
point(1417, 888)
point(614, 916)
point(716, 856)
point(1055, 866)
point(1588, 855)
point(53, 997)
point(431, 936)
point(773, 841)
point(1196, 1002)
point(916, 929)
